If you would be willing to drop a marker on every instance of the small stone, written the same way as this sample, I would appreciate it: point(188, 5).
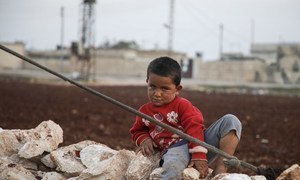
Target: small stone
point(47, 161)
point(10, 170)
point(66, 160)
point(53, 176)
point(155, 175)
point(233, 176)
point(141, 166)
point(111, 168)
point(190, 174)
point(8, 143)
point(95, 153)
point(292, 172)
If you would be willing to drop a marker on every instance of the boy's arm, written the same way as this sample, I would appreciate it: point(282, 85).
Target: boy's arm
point(139, 132)
point(193, 124)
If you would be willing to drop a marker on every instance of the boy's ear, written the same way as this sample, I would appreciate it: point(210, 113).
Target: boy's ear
point(179, 88)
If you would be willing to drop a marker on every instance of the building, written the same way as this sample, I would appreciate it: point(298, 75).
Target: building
point(283, 61)
point(233, 69)
point(268, 63)
point(8, 61)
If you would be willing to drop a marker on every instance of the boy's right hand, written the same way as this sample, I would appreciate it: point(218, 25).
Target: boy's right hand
point(147, 147)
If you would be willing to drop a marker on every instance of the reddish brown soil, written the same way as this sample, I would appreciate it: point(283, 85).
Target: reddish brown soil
point(271, 124)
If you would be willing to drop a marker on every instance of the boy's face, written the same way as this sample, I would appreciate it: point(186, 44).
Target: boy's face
point(161, 90)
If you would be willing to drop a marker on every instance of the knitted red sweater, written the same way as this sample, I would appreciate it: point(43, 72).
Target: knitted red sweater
point(181, 114)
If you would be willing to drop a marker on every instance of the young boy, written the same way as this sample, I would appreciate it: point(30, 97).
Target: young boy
point(165, 105)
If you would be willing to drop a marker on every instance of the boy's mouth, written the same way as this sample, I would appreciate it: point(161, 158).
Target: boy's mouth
point(156, 100)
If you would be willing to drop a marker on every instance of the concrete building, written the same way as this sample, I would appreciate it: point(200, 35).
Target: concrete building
point(123, 62)
point(235, 70)
point(58, 60)
point(267, 52)
point(7, 61)
point(282, 60)
point(273, 63)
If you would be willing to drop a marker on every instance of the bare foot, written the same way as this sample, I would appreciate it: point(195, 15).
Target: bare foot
point(219, 169)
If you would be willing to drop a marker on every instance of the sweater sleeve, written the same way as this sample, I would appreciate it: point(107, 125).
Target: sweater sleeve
point(139, 131)
point(193, 124)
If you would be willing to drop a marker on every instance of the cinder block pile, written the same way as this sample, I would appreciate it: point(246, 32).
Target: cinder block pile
point(34, 154)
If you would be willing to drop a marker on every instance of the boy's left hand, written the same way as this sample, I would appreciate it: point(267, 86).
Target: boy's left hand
point(201, 166)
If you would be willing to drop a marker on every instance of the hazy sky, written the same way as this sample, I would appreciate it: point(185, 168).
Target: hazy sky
point(196, 23)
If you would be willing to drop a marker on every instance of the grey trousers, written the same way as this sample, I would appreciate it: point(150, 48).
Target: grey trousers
point(219, 129)
point(177, 158)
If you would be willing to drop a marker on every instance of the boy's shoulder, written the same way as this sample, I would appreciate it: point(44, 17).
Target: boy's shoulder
point(145, 106)
point(182, 100)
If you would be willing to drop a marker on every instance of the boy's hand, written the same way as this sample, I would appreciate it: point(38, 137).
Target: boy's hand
point(201, 166)
point(147, 147)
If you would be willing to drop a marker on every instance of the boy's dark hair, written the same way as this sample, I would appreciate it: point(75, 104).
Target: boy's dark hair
point(167, 67)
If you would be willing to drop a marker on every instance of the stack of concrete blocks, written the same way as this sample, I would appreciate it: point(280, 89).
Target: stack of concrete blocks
point(34, 154)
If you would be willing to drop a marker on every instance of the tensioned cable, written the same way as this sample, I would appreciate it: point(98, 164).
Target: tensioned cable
point(233, 161)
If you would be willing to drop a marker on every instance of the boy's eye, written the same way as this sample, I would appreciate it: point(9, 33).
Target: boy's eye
point(165, 88)
point(152, 87)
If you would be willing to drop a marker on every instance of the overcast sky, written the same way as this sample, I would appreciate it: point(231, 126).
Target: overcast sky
point(196, 23)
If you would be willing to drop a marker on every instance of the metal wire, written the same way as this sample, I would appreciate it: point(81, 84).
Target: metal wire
point(233, 159)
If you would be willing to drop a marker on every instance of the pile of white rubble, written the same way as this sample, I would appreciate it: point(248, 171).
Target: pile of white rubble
point(34, 154)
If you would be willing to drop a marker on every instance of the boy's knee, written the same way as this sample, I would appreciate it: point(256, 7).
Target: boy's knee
point(231, 122)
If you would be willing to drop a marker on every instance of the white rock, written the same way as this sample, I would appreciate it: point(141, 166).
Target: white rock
point(155, 175)
point(10, 170)
point(53, 176)
point(93, 154)
point(32, 149)
point(141, 167)
point(8, 143)
point(292, 172)
point(27, 164)
point(111, 168)
point(51, 133)
point(1, 129)
point(66, 158)
point(190, 174)
point(233, 176)
point(258, 177)
point(47, 161)
point(45, 137)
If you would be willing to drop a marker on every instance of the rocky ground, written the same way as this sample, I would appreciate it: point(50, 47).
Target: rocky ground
point(270, 123)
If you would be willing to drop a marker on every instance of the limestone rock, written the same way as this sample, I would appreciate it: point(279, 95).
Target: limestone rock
point(27, 164)
point(10, 170)
point(111, 168)
point(258, 177)
point(53, 176)
point(155, 175)
point(32, 149)
point(291, 173)
point(47, 161)
point(45, 137)
point(233, 176)
point(67, 158)
point(9, 144)
point(141, 167)
point(190, 174)
point(93, 154)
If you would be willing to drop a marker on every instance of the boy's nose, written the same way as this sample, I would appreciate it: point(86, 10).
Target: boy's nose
point(157, 92)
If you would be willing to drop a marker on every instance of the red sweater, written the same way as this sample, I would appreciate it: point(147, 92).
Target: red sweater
point(181, 114)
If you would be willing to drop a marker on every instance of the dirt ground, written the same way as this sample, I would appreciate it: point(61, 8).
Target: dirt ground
point(271, 124)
